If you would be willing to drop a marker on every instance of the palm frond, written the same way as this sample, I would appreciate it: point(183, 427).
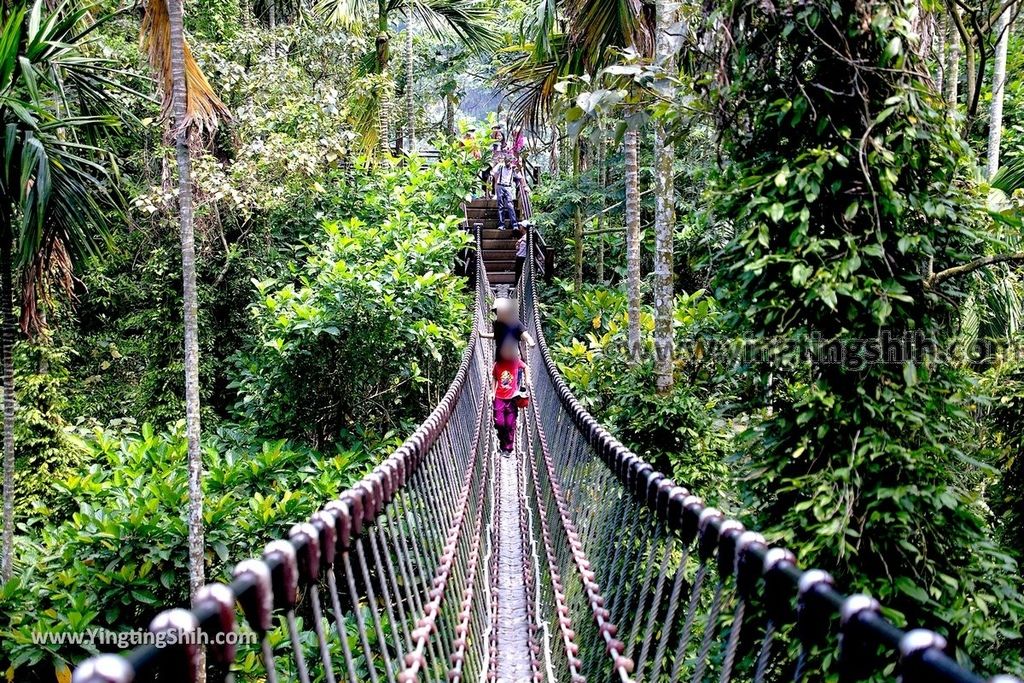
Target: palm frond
point(71, 230)
point(469, 21)
point(346, 14)
point(1010, 175)
point(595, 29)
point(531, 83)
point(543, 28)
point(56, 184)
point(370, 100)
point(203, 109)
point(595, 26)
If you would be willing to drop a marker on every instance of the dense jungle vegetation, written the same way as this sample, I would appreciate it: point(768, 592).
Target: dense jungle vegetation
point(788, 239)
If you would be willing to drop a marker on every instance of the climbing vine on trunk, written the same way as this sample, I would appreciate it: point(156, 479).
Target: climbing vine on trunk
point(845, 185)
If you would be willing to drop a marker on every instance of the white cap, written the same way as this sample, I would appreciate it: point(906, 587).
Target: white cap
point(503, 305)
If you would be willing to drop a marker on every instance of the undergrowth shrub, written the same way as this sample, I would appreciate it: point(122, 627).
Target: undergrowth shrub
point(373, 316)
point(119, 558)
point(367, 325)
point(681, 432)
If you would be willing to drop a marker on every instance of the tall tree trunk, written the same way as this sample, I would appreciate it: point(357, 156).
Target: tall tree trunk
point(449, 116)
point(602, 160)
point(410, 80)
point(384, 103)
point(632, 241)
point(577, 278)
point(196, 544)
point(664, 210)
point(553, 159)
point(995, 118)
point(384, 118)
point(939, 50)
point(7, 349)
point(970, 69)
point(952, 69)
point(272, 22)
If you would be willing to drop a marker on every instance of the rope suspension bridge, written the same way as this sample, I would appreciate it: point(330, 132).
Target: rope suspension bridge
point(572, 560)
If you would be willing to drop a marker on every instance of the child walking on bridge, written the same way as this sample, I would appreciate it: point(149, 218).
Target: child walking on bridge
point(511, 376)
point(510, 372)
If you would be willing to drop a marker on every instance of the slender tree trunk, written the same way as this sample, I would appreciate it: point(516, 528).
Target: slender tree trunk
point(632, 241)
point(196, 544)
point(410, 79)
point(577, 221)
point(384, 100)
point(7, 340)
point(272, 22)
point(553, 159)
point(664, 211)
point(449, 116)
point(952, 64)
point(970, 68)
point(602, 160)
point(577, 278)
point(995, 119)
point(939, 50)
point(384, 118)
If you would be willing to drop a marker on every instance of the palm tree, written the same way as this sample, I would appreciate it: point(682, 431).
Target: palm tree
point(594, 29)
point(995, 119)
point(190, 298)
point(54, 184)
point(194, 110)
point(467, 21)
point(664, 207)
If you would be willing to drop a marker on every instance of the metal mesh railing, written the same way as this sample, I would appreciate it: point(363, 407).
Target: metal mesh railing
point(625, 576)
point(669, 589)
point(377, 586)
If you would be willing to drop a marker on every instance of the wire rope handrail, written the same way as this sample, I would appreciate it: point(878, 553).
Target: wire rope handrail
point(656, 547)
point(631, 578)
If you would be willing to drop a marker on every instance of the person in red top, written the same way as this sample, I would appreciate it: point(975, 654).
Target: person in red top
point(511, 375)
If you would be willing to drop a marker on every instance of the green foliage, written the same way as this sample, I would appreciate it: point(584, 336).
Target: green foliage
point(55, 190)
point(845, 184)
point(42, 451)
point(370, 316)
point(678, 432)
point(280, 197)
point(116, 561)
point(1005, 418)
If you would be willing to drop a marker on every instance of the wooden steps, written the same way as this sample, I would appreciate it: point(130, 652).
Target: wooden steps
point(498, 247)
point(502, 244)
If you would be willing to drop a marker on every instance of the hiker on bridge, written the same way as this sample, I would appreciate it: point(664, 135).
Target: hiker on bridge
point(507, 330)
point(511, 377)
point(504, 187)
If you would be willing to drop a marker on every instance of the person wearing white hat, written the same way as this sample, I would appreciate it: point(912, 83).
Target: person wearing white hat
point(507, 327)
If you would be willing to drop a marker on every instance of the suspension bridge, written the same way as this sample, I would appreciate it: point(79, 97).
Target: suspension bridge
point(572, 560)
